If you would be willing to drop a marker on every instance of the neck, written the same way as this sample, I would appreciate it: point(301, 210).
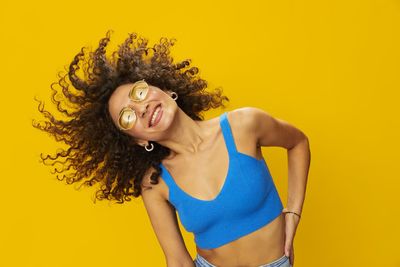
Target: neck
point(186, 136)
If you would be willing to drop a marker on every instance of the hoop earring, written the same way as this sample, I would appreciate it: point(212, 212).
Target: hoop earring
point(149, 149)
point(174, 96)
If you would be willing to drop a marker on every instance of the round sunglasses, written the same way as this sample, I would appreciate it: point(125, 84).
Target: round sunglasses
point(127, 116)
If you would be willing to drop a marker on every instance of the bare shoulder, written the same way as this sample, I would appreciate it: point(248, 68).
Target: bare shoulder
point(242, 122)
point(246, 116)
point(265, 128)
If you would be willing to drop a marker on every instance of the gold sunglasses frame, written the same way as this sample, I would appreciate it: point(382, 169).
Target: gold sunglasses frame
point(133, 99)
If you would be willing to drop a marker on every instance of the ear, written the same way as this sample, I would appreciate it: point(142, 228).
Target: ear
point(139, 142)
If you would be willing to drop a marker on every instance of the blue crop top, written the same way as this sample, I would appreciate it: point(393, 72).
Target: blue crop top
point(247, 201)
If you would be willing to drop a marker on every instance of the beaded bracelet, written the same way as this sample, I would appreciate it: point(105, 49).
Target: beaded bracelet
point(285, 211)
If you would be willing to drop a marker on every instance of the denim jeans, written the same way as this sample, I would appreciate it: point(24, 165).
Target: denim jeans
point(283, 261)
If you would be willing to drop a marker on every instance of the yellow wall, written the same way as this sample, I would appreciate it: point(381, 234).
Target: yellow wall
point(330, 68)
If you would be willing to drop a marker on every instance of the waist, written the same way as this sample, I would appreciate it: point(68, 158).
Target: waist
point(259, 247)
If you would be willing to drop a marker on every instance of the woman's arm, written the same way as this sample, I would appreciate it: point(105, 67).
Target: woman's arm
point(165, 224)
point(270, 131)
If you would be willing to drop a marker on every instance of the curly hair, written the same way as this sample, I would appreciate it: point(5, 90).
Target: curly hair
point(97, 150)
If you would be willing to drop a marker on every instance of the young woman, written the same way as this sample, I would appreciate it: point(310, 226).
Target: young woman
point(136, 127)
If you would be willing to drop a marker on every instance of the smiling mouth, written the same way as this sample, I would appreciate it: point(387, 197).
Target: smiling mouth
point(152, 114)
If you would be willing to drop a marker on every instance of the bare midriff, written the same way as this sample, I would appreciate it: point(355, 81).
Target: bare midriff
point(260, 247)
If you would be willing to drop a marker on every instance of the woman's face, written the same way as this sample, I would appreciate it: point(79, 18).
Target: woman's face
point(142, 130)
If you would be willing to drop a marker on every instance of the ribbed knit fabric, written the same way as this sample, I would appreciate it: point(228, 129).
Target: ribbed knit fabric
point(247, 201)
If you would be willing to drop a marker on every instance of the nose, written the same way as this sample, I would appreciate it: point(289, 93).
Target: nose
point(141, 109)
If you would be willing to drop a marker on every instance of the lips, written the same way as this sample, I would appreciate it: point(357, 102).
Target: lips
point(152, 113)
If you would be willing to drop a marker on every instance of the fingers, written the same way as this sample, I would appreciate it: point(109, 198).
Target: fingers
point(291, 258)
point(290, 231)
point(288, 242)
point(289, 250)
point(288, 246)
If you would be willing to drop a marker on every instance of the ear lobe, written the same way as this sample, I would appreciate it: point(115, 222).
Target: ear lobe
point(137, 142)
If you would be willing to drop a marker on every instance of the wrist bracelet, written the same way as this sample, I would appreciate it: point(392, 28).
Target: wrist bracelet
point(285, 211)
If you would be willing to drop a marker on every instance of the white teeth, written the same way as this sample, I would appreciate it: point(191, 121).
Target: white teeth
point(155, 115)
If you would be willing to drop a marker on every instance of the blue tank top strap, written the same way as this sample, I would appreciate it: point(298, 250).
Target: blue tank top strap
point(167, 177)
point(227, 132)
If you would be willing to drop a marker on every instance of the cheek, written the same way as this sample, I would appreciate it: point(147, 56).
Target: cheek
point(158, 95)
point(136, 136)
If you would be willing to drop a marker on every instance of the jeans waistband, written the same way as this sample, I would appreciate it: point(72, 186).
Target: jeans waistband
point(202, 262)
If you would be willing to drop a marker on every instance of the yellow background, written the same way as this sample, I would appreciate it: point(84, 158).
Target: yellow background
point(331, 68)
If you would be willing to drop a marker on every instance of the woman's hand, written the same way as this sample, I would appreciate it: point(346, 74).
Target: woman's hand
point(291, 222)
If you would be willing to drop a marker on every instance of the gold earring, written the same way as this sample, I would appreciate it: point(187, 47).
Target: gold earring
point(151, 147)
point(174, 96)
